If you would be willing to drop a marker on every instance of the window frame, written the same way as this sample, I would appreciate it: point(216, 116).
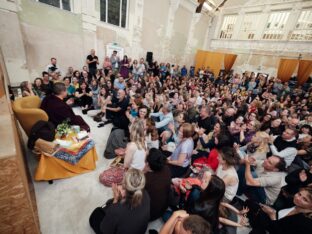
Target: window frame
point(276, 33)
point(61, 5)
point(120, 14)
point(225, 34)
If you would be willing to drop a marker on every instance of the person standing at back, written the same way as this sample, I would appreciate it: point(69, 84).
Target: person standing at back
point(92, 61)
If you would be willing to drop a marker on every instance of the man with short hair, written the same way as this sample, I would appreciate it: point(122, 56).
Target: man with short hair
point(92, 61)
point(53, 67)
point(183, 223)
point(191, 112)
point(47, 84)
point(285, 146)
point(114, 59)
point(165, 117)
point(119, 83)
point(58, 111)
point(229, 116)
point(206, 120)
point(270, 178)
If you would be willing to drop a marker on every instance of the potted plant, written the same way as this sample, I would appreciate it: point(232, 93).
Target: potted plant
point(63, 129)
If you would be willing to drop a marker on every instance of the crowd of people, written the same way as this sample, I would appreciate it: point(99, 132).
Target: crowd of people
point(206, 154)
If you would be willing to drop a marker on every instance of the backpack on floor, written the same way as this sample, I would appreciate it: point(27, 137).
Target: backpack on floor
point(42, 129)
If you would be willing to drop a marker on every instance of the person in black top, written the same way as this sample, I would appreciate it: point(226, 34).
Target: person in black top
point(84, 97)
point(47, 84)
point(295, 180)
point(298, 219)
point(129, 210)
point(206, 120)
point(116, 110)
point(92, 61)
point(158, 180)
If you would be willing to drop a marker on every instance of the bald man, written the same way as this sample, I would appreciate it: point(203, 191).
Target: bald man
point(116, 109)
point(92, 61)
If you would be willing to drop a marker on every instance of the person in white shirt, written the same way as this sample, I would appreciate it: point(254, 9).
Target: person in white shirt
point(285, 146)
point(270, 179)
point(165, 117)
point(53, 67)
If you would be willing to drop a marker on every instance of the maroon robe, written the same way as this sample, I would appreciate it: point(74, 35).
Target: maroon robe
point(58, 111)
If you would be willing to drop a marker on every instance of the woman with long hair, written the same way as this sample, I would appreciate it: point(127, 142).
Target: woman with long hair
point(124, 68)
point(37, 88)
point(84, 97)
point(205, 203)
point(136, 149)
point(128, 211)
point(297, 219)
point(228, 158)
point(27, 89)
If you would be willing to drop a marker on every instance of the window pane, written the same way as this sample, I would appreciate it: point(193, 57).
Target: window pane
point(113, 12)
point(124, 13)
point(55, 3)
point(66, 5)
point(103, 10)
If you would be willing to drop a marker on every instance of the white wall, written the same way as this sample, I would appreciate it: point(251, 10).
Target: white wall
point(33, 32)
point(260, 55)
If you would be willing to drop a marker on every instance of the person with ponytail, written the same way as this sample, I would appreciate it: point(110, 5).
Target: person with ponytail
point(128, 211)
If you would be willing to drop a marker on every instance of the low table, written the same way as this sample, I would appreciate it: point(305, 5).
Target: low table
point(51, 168)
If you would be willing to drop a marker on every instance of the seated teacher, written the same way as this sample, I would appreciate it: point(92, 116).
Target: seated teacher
point(58, 110)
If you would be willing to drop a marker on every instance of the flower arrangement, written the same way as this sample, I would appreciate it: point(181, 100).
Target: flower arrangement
point(64, 128)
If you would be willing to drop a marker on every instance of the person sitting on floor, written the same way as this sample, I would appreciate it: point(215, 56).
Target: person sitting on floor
point(158, 180)
point(116, 110)
point(180, 159)
point(128, 211)
point(182, 222)
point(296, 219)
point(59, 111)
point(84, 97)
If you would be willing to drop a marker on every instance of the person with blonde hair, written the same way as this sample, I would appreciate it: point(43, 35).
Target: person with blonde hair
point(136, 149)
point(128, 211)
point(257, 148)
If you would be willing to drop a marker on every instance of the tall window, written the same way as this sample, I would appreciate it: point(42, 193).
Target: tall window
point(249, 26)
point(63, 4)
point(303, 29)
point(114, 12)
point(227, 28)
point(275, 28)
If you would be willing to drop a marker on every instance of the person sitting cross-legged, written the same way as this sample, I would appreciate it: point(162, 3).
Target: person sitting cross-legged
point(58, 110)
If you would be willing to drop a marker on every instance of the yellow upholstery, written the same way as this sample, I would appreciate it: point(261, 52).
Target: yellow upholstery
point(27, 111)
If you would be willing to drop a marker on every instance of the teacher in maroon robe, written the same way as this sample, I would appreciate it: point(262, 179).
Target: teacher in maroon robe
point(58, 110)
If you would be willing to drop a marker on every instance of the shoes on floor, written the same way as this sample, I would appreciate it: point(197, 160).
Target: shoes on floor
point(104, 123)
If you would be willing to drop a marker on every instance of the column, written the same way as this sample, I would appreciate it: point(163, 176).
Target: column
point(189, 43)
point(137, 28)
point(263, 23)
point(238, 25)
point(174, 4)
point(292, 21)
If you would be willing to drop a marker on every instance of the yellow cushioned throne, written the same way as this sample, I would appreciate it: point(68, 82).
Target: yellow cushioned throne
point(27, 111)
